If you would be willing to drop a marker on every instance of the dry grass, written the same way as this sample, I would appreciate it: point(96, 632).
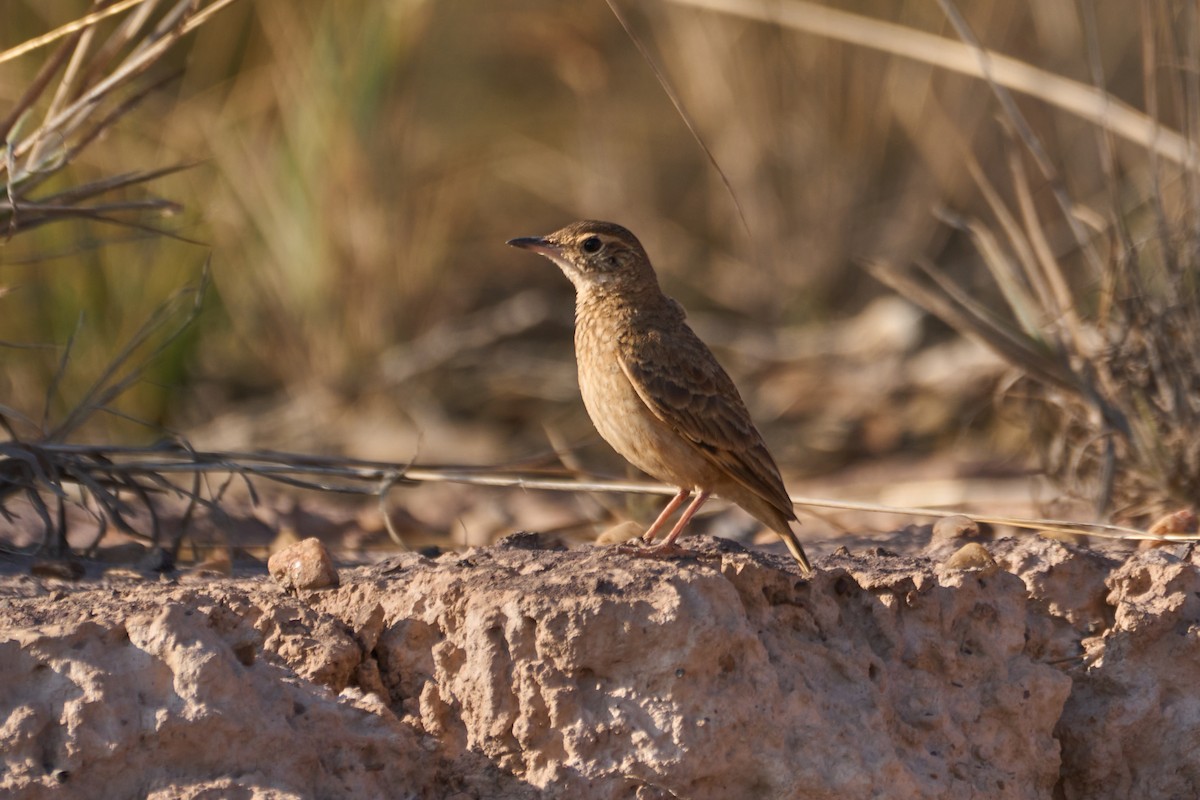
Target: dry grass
point(78, 224)
point(362, 164)
point(84, 87)
point(1109, 356)
point(97, 71)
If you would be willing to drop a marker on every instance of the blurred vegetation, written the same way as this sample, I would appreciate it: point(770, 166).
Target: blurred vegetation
point(360, 165)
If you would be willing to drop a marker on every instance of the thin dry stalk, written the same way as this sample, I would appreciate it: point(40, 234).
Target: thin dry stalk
point(109, 474)
point(44, 135)
point(1086, 102)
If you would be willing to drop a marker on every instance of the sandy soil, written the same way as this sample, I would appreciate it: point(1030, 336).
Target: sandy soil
point(1011, 668)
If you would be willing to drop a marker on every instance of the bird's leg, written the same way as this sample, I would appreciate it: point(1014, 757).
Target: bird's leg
point(650, 533)
point(668, 544)
point(667, 548)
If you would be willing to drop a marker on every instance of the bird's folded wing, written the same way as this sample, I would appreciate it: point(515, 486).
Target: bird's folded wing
point(680, 381)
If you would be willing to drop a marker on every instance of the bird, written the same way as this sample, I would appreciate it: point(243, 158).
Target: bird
point(655, 392)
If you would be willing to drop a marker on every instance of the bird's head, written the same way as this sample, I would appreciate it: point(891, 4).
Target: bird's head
point(596, 256)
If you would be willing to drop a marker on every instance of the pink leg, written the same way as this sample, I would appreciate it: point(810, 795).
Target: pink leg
point(668, 544)
point(650, 533)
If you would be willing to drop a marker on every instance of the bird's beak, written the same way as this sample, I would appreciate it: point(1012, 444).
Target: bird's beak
point(538, 245)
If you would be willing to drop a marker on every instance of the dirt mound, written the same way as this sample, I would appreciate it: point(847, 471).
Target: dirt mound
point(509, 672)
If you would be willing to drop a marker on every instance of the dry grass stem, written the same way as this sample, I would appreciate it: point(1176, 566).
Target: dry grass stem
point(71, 27)
point(108, 475)
point(1086, 102)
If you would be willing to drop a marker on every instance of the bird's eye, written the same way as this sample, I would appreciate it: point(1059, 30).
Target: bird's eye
point(591, 244)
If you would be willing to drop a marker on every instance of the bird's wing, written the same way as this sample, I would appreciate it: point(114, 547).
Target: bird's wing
point(680, 381)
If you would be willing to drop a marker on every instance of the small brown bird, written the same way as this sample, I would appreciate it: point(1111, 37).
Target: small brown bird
point(654, 391)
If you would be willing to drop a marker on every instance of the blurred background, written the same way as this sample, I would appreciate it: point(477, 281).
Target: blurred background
point(356, 167)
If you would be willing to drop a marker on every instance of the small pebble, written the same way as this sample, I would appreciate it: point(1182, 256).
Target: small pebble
point(956, 527)
point(972, 556)
point(304, 565)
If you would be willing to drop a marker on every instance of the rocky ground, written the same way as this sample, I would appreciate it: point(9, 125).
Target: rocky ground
point(1028, 668)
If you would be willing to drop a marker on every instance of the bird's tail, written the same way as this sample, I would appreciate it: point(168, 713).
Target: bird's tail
point(777, 519)
point(793, 546)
